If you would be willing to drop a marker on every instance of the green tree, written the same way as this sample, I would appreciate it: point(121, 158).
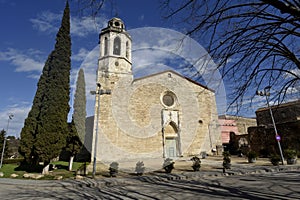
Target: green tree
point(44, 133)
point(76, 133)
point(74, 143)
point(2, 136)
point(79, 106)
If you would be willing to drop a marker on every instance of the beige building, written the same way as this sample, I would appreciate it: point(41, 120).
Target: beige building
point(164, 115)
point(234, 131)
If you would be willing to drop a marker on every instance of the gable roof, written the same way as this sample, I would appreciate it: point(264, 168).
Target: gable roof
point(282, 105)
point(173, 72)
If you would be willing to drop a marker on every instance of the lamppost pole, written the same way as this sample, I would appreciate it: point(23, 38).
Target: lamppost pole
point(266, 93)
point(4, 138)
point(98, 92)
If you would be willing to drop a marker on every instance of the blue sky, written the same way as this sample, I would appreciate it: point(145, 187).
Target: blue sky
point(28, 31)
point(28, 36)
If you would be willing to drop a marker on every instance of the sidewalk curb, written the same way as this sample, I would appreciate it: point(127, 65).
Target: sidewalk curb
point(110, 182)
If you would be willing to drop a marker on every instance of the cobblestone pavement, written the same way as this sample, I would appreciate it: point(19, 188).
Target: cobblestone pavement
point(210, 167)
point(271, 185)
point(259, 180)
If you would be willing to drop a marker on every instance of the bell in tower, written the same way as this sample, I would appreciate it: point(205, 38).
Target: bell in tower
point(115, 49)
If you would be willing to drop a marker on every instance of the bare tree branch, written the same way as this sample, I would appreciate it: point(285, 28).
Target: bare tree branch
point(285, 6)
point(254, 42)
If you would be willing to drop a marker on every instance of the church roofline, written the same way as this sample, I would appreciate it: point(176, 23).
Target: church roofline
point(236, 117)
point(282, 105)
point(171, 71)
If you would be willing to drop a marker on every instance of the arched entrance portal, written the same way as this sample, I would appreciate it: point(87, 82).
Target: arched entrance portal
point(172, 141)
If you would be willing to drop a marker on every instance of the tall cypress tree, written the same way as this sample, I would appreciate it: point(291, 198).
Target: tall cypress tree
point(79, 106)
point(76, 133)
point(44, 132)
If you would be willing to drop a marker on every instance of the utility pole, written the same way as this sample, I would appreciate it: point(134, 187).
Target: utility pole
point(98, 93)
point(266, 93)
point(10, 116)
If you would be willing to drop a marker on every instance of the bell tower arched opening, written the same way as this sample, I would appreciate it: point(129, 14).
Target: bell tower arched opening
point(105, 46)
point(127, 50)
point(117, 46)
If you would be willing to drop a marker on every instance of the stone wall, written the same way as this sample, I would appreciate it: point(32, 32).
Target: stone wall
point(283, 113)
point(130, 124)
point(287, 120)
point(262, 139)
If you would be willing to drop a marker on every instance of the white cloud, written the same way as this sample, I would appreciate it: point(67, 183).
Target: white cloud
point(46, 22)
point(32, 60)
point(81, 55)
point(82, 27)
point(296, 72)
point(34, 76)
point(90, 70)
point(24, 62)
point(49, 23)
point(20, 112)
point(293, 92)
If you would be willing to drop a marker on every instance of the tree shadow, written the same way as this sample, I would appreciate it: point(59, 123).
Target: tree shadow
point(64, 167)
point(29, 168)
point(158, 187)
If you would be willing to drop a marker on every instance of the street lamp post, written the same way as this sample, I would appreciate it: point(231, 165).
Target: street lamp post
point(4, 138)
point(266, 93)
point(98, 92)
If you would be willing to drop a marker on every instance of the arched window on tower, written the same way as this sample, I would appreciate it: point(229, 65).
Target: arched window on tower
point(127, 49)
point(117, 46)
point(105, 46)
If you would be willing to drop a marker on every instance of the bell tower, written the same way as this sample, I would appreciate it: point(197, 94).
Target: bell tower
point(114, 72)
point(115, 50)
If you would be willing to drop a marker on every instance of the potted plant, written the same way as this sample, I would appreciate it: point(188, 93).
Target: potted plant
point(275, 159)
point(113, 169)
point(226, 160)
point(291, 156)
point(139, 168)
point(196, 163)
point(168, 165)
point(252, 155)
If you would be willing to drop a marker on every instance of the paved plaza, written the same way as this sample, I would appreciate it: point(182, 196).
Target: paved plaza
point(258, 180)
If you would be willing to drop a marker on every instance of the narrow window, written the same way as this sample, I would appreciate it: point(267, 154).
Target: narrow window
point(127, 50)
point(117, 46)
point(105, 46)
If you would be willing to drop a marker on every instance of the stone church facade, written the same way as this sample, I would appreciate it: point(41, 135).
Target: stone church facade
point(163, 115)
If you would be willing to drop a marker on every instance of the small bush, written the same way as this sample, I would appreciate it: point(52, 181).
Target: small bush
point(226, 160)
point(168, 165)
point(275, 159)
point(113, 169)
point(139, 168)
point(290, 153)
point(252, 154)
point(196, 163)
